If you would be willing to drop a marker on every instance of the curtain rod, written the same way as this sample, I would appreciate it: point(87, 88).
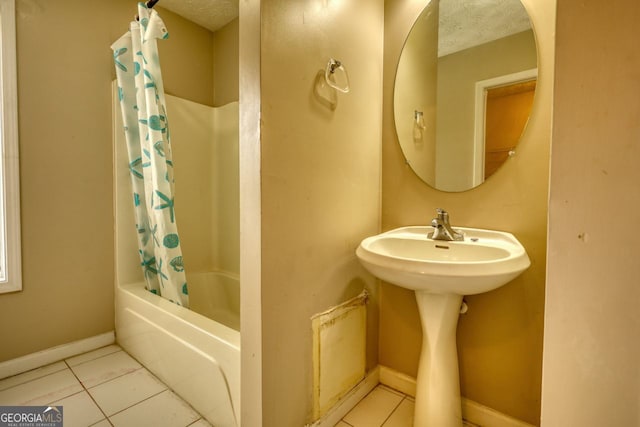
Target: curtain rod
point(149, 5)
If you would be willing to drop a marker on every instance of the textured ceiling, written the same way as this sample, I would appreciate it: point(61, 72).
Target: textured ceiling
point(211, 14)
point(465, 23)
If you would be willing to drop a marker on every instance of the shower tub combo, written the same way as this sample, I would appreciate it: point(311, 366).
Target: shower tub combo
point(195, 352)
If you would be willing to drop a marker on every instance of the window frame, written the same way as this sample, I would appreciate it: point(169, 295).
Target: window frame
point(10, 246)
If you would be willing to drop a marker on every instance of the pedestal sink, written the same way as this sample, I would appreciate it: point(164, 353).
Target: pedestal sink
point(441, 273)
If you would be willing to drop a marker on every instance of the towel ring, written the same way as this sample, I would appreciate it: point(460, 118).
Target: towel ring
point(334, 68)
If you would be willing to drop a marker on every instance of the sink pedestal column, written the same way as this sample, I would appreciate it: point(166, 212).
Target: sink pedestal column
point(438, 384)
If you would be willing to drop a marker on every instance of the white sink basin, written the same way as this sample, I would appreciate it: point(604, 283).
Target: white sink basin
point(406, 257)
point(441, 272)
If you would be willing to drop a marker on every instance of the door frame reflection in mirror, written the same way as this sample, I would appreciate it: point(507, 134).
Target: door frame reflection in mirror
point(482, 87)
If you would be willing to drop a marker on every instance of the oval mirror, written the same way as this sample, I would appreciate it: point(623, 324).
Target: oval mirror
point(464, 89)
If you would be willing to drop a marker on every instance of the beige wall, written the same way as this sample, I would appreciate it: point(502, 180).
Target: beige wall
point(65, 71)
point(320, 194)
point(225, 64)
point(590, 375)
point(500, 339)
point(416, 90)
point(186, 58)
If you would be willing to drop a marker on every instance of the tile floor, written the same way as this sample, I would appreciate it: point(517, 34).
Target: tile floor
point(107, 387)
point(383, 407)
point(102, 388)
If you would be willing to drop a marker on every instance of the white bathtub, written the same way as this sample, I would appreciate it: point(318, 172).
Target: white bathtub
point(198, 358)
point(216, 295)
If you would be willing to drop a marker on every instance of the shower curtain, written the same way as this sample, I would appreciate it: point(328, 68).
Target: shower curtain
point(146, 127)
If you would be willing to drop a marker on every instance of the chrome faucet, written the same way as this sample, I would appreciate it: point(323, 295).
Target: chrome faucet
point(442, 228)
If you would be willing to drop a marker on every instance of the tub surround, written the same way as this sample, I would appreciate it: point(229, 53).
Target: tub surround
point(198, 357)
point(205, 152)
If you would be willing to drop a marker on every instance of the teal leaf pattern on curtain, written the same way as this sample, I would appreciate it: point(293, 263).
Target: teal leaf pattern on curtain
point(142, 102)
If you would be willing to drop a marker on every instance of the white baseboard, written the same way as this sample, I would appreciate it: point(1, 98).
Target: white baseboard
point(54, 354)
point(471, 411)
point(485, 416)
point(349, 401)
point(398, 381)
